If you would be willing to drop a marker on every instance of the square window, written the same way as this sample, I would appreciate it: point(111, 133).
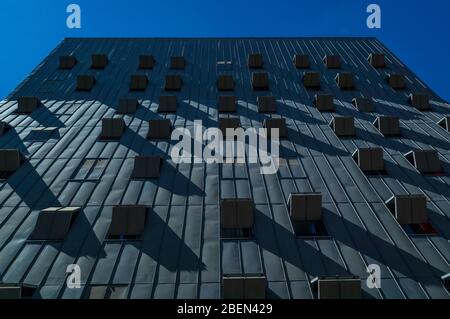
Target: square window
point(343, 126)
point(324, 102)
point(128, 222)
point(237, 218)
point(177, 63)
point(10, 162)
point(377, 60)
point(409, 209)
point(227, 103)
point(127, 105)
point(363, 104)
point(147, 167)
point(337, 288)
point(244, 287)
point(167, 104)
point(311, 80)
point(425, 161)
point(4, 128)
point(27, 104)
point(420, 101)
point(388, 125)
point(159, 129)
point(305, 207)
point(345, 80)
point(99, 61)
point(228, 123)
point(138, 82)
point(67, 62)
point(397, 81)
point(260, 80)
point(255, 60)
point(173, 83)
point(112, 128)
point(267, 104)
point(54, 223)
point(301, 61)
point(276, 123)
point(370, 160)
point(225, 83)
point(146, 62)
point(332, 61)
point(85, 82)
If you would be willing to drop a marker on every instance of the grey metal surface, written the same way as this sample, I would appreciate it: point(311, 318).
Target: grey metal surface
point(181, 254)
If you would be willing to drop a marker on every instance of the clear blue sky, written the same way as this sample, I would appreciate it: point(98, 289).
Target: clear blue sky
point(417, 31)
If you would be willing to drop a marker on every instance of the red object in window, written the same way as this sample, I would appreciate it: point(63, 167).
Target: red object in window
point(428, 229)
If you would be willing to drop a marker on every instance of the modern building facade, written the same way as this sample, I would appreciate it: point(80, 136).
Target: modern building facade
point(88, 183)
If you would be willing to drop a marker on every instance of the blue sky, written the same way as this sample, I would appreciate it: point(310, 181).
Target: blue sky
point(417, 31)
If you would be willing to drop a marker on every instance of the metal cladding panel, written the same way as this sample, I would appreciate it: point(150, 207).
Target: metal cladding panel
point(180, 253)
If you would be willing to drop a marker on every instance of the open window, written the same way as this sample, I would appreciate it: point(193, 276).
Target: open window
point(146, 62)
point(244, 287)
point(388, 125)
point(16, 291)
point(128, 222)
point(425, 161)
point(54, 223)
point(226, 124)
point(260, 80)
point(397, 81)
point(138, 82)
point(67, 62)
point(420, 101)
point(225, 83)
point(159, 129)
point(337, 287)
point(255, 61)
point(324, 102)
point(167, 104)
point(4, 128)
point(370, 160)
point(332, 61)
point(147, 167)
point(445, 123)
point(173, 83)
point(177, 63)
point(227, 103)
point(85, 82)
point(112, 128)
point(377, 60)
point(237, 218)
point(411, 213)
point(311, 80)
point(103, 292)
point(363, 104)
point(345, 80)
point(276, 123)
point(10, 162)
point(305, 210)
point(343, 126)
point(27, 104)
point(99, 61)
point(127, 105)
point(301, 61)
point(267, 104)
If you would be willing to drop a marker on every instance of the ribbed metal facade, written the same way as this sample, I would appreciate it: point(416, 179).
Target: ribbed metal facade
point(181, 254)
